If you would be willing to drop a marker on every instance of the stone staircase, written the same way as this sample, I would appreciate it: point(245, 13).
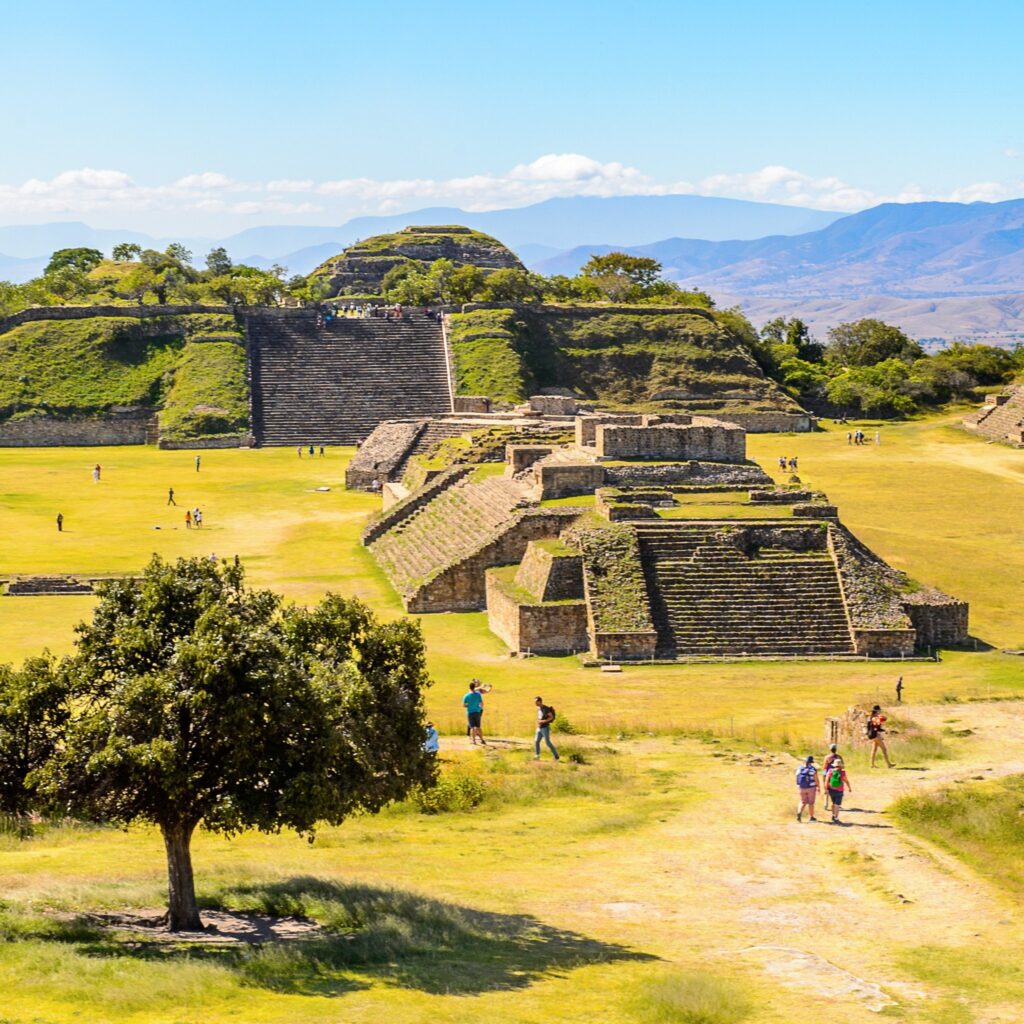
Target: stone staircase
point(708, 598)
point(334, 383)
point(1003, 422)
point(449, 528)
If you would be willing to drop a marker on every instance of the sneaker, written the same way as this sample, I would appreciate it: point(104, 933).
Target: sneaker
point(798, 818)
point(812, 818)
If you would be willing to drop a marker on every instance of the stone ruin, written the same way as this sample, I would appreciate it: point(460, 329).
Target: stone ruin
point(1001, 418)
point(638, 538)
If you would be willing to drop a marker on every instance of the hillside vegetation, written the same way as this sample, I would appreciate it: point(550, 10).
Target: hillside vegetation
point(615, 355)
point(75, 368)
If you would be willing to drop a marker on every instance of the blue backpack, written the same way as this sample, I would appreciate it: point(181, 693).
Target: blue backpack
point(805, 776)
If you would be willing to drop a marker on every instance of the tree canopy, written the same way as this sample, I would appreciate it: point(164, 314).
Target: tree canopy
point(867, 342)
point(200, 701)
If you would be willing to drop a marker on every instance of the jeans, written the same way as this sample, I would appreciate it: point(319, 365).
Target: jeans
point(544, 733)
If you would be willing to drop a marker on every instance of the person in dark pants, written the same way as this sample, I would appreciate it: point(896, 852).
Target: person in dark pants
point(545, 716)
point(473, 702)
point(197, 463)
point(170, 497)
point(899, 690)
point(60, 522)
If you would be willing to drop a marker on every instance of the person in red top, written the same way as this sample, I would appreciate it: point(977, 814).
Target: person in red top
point(837, 784)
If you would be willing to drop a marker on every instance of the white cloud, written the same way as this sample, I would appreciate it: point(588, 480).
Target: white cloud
point(113, 194)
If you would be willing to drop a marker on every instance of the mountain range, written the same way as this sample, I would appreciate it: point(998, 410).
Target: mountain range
point(940, 270)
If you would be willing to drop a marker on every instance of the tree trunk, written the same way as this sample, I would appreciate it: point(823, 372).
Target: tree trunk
point(182, 909)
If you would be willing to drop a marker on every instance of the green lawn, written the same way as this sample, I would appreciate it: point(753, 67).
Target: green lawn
point(649, 879)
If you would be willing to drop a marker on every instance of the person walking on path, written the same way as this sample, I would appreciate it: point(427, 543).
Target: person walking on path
point(833, 753)
point(197, 463)
point(876, 733)
point(60, 522)
point(96, 473)
point(899, 690)
point(298, 450)
point(170, 497)
point(431, 744)
point(545, 718)
point(188, 519)
point(837, 784)
point(809, 785)
point(473, 702)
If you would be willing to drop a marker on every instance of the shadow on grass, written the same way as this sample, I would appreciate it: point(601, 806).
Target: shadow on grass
point(398, 937)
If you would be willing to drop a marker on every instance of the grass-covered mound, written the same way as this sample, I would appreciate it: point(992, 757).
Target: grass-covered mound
point(361, 267)
point(618, 356)
point(191, 366)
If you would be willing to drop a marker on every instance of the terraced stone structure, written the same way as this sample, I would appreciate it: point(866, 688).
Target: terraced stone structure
point(1001, 418)
point(360, 269)
point(706, 559)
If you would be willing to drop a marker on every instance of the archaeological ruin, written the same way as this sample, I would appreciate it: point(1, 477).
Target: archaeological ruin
point(631, 538)
point(1001, 417)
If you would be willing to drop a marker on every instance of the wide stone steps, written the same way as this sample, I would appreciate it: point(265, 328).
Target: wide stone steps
point(334, 383)
point(709, 598)
point(447, 529)
point(39, 586)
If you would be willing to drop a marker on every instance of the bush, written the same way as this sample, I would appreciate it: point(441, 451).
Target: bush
point(454, 792)
point(690, 999)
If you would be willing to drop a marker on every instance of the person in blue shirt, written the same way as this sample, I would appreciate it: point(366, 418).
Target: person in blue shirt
point(430, 744)
point(473, 702)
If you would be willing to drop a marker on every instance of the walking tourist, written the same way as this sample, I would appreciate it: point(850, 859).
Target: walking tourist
point(96, 473)
point(899, 690)
point(321, 451)
point(188, 519)
point(808, 784)
point(197, 463)
point(545, 717)
point(311, 451)
point(876, 733)
point(792, 464)
point(878, 437)
point(833, 753)
point(431, 744)
point(782, 463)
point(60, 522)
point(837, 784)
point(197, 518)
point(849, 437)
point(473, 702)
point(375, 485)
point(298, 451)
point(170, 496)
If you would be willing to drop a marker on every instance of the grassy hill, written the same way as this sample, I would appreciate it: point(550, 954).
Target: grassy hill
point(651, 358)
point(192, 367)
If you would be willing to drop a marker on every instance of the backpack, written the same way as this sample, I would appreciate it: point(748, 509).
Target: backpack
point(553, 714)
point(805, 777)
point(835, 778)
point(873, 729)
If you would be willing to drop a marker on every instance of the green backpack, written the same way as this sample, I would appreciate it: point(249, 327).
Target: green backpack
point(835, 778)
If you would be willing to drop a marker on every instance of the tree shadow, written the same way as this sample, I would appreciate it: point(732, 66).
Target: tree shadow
point(399, 937)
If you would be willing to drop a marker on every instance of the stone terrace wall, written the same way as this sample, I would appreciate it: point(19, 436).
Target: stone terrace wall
point(940, 621)
point(771, 422)
point(48, 432)
point(716, 443)
point(382, 452)
point(218, 441)
point(539, 629)
point(706, 473)
point(549, 575)
point(397, 513)
point(462, 587)
point(87, 312)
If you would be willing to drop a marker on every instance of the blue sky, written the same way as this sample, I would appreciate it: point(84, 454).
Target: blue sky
point(219, 115)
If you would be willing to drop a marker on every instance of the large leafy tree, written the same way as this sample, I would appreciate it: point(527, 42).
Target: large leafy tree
point(204, 702)
point(621, 276)
point(867, 342)
point(79, 259)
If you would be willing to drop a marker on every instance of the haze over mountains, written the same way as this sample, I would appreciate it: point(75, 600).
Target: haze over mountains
point(940, 270)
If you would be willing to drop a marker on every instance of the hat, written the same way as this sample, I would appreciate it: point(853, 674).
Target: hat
point(810, 759)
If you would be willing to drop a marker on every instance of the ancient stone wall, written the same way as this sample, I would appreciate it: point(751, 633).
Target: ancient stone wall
point(939, 623)
point(382, 452)
point(462, 587)
point(566, 480)
point(475, 404)
point(884, 643)
point(551, 575)
point(553, 405)
point(535, 628)
point(217, 441)
point(771, 422)
point(48, 432)
point(625, 646)
point(639, 474)
point(521, 456)
point(586, 426)
point(718, 443)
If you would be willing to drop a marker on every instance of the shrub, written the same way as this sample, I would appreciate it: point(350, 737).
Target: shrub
point(675, 998)
point(454, 792)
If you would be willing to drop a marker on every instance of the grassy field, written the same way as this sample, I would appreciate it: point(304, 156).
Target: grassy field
point(656, 875)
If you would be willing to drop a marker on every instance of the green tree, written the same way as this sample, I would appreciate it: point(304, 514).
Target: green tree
point(509, 285)
point(466, 283)
point(33, 710)
point(137, 283)
point(867, 342)
point(80, 260)
point(218, 261)
point(641, 271)
point(795, 334)
point(203, 702)
point(177, 253)
point(125, 252)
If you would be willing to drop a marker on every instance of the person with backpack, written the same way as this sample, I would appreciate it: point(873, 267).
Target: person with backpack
point(807, 781)
point(876, 733)
point(833, 753)
point(545, 717)
point(837, 784)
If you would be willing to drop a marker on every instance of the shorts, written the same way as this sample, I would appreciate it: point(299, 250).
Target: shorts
point(836, 796)
point(807, 795)
point(474, 718)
